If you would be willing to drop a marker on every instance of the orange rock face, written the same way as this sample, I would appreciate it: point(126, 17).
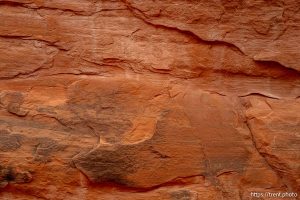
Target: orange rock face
point(149, 100)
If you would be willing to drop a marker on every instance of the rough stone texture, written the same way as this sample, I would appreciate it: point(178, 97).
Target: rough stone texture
point(149, 100)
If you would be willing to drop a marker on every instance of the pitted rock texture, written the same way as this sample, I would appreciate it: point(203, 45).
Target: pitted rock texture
point(152, 100)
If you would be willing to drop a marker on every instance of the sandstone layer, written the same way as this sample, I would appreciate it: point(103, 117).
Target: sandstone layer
point(149, 100)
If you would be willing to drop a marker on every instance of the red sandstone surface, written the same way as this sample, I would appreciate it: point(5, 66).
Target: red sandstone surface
point(149, 99)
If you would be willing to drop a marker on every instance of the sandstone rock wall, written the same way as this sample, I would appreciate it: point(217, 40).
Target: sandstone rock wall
point(149, 99)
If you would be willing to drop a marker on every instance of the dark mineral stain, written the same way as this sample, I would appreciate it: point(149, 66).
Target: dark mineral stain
point(181, 195)
point(44, 148)
point(8, 141)
point(9, 174)
point(108, 165)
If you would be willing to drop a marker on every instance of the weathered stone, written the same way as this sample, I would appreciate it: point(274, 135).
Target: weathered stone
point(160, 100)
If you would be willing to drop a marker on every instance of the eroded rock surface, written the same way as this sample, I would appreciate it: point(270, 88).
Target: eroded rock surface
point(166, 100)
